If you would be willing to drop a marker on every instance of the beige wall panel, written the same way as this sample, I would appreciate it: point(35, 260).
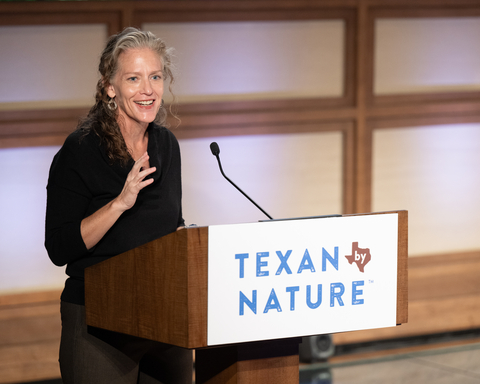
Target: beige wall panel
point(433, 172)
point(256, 60)
point(49, 66)
point(289, 175)
point(426, 55)
point(24, 263)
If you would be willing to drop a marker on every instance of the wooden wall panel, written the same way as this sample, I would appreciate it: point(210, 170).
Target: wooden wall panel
point(443, 290)
point(29, 337)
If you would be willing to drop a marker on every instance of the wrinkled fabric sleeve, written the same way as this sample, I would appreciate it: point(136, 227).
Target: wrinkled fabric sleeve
point(68, 198)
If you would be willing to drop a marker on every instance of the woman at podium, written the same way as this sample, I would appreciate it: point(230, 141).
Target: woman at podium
point(114, 185)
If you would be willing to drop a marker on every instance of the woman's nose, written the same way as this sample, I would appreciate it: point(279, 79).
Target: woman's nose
point(146, 87)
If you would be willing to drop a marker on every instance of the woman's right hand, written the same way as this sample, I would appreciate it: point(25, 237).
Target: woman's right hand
point(135, 183)
point(95, 226)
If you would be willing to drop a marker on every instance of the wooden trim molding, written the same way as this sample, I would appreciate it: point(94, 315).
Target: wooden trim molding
point(30, 336)
point(37, 127)
point(386, 117)
point(61, 13)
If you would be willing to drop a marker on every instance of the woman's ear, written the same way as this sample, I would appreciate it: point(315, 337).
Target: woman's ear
point(108, 88)
point(111, 91)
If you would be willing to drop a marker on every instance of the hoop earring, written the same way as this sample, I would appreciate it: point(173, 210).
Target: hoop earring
point(112, 105)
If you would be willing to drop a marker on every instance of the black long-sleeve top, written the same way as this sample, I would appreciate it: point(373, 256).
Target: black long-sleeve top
point(82, 180)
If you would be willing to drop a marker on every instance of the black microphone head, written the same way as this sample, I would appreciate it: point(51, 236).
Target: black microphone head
point(215, 149)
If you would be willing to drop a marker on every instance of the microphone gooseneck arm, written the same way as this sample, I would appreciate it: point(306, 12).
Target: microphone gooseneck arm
point(216, 151)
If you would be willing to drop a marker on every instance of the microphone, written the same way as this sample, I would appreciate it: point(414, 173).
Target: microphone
point(215, 152)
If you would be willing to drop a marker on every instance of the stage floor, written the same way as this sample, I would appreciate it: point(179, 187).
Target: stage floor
point(443, 359)
point(439, 365)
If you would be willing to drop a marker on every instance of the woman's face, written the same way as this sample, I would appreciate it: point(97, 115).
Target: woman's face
point(137, 86)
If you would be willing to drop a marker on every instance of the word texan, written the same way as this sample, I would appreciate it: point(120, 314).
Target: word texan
point(305, 264)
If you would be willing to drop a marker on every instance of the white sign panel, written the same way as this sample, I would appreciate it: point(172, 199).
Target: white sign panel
point(301, 277)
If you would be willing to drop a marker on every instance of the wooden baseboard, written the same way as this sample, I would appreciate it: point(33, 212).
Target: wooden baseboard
point(29, 336)
point(444, 296)
point(32, 362)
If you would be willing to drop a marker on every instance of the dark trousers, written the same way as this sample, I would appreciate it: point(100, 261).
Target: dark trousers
point(91, 355)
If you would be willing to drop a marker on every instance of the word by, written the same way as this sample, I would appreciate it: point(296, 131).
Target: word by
point(359, 256)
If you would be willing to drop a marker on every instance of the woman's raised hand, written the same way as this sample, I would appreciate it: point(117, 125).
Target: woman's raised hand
point(94, 227)
point(135, 182)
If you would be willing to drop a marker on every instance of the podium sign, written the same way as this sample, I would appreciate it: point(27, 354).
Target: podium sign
point(294, 278)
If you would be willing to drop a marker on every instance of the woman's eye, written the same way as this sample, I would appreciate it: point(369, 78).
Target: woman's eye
point(133, 78)
point(156, 77)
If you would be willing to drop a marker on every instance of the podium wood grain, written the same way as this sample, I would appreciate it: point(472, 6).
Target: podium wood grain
point(274, 361)
point(157, 291)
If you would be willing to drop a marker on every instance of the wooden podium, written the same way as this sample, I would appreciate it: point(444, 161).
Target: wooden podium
point(159, 291)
